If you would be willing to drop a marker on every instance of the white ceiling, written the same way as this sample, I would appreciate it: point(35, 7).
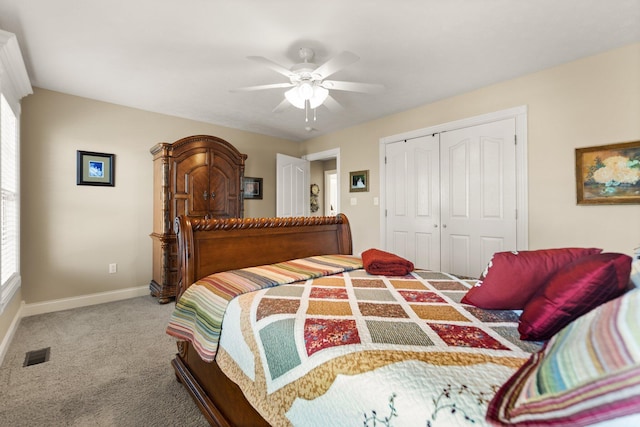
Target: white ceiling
point(183, 57)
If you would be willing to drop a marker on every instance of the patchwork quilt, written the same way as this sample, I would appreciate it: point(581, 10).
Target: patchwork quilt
point(357, 349)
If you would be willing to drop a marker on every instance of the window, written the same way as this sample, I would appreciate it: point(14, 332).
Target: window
point(9, 273)
point(14, 85)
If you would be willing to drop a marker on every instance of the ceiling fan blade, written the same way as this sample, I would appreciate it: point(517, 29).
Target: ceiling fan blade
point(333, 105)
point(282, 106)
point(270, 64)
point(262, 87)
point(336, 63)
point(352, 86)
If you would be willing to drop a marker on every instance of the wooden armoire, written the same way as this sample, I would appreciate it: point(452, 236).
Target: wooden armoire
point(199, 176)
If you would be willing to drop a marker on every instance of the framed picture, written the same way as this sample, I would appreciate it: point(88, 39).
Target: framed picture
point(608, 174)
point(252, 188)
point(95, 169)
point(358, 181)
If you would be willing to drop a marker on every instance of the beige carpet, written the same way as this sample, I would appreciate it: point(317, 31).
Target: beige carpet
point(109, 366)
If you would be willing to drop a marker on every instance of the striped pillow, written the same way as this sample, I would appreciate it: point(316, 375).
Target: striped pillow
point(589, 372)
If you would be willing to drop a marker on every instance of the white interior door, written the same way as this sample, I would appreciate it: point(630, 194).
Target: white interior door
point(292, 186)
point(478, 194)
point(413, 200)
point(331, 193)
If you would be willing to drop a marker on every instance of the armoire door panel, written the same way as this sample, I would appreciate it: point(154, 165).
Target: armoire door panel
point(190, 183)
point(224, 189)
point(219, 194)
point(197, 183)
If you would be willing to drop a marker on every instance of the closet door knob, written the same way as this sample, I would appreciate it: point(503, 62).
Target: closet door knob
point(204, 195)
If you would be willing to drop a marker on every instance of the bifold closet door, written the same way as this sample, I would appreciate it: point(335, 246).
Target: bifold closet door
point(413, 200)
point(478, 194)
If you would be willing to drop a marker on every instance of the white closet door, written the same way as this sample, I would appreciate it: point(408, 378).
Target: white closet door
point(478, 184)
point(413, 200)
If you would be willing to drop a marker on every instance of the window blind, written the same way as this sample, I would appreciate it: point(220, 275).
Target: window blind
point(9, 189)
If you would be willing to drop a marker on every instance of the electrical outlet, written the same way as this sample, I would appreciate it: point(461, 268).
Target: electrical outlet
point(113, 268)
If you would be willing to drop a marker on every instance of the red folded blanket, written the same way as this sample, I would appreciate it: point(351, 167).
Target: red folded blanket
point(384, 263)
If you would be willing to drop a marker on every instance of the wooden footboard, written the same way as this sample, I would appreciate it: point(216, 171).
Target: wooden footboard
point(207, 246)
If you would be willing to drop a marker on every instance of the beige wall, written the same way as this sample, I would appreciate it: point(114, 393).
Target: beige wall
point(589, 102)
point(71, 233)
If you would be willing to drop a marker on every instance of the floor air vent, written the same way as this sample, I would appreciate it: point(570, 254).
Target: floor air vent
point(37, 356)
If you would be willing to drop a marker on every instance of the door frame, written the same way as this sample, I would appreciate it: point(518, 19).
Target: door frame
point(522, 205)
point(334, 153)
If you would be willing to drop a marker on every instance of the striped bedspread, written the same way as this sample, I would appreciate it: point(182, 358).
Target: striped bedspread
point(199, 311)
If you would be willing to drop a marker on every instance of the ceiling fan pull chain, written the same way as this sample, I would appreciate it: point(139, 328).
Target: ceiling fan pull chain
point(306, 111)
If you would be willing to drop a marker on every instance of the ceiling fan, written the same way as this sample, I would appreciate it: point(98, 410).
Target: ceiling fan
point(309, 87)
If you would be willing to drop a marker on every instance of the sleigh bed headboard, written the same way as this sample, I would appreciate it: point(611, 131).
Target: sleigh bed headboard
point(207, 246)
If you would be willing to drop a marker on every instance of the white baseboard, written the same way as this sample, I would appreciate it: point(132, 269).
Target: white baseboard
point(8, 337)
point(82, 301)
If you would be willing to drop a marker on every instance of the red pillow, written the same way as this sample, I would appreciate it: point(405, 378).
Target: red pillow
point(575, 290)
point(512, 278)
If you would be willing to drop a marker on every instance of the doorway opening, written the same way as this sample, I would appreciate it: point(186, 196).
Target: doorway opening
point(325, 172)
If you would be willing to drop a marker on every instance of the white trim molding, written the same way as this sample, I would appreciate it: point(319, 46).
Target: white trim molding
point(14, 79)
point(8, 337)
point(83, 301)
point(14, 85)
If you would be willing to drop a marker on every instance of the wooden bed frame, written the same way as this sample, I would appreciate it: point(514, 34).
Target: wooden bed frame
point(207, 246)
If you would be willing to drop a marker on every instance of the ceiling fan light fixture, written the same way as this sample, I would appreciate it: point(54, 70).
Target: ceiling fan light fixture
point(294, 98)
point(320, 94)
point(306, 91)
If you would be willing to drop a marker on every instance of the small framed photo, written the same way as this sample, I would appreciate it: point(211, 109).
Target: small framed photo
point(252, 188)
point(358, 181)
point(95, 169)
point(608, 174)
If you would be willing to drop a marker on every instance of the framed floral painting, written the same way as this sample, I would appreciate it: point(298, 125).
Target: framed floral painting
point(608, 174)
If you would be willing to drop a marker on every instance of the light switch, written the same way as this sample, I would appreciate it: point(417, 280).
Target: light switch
point(376, 202)
point(354, 201)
